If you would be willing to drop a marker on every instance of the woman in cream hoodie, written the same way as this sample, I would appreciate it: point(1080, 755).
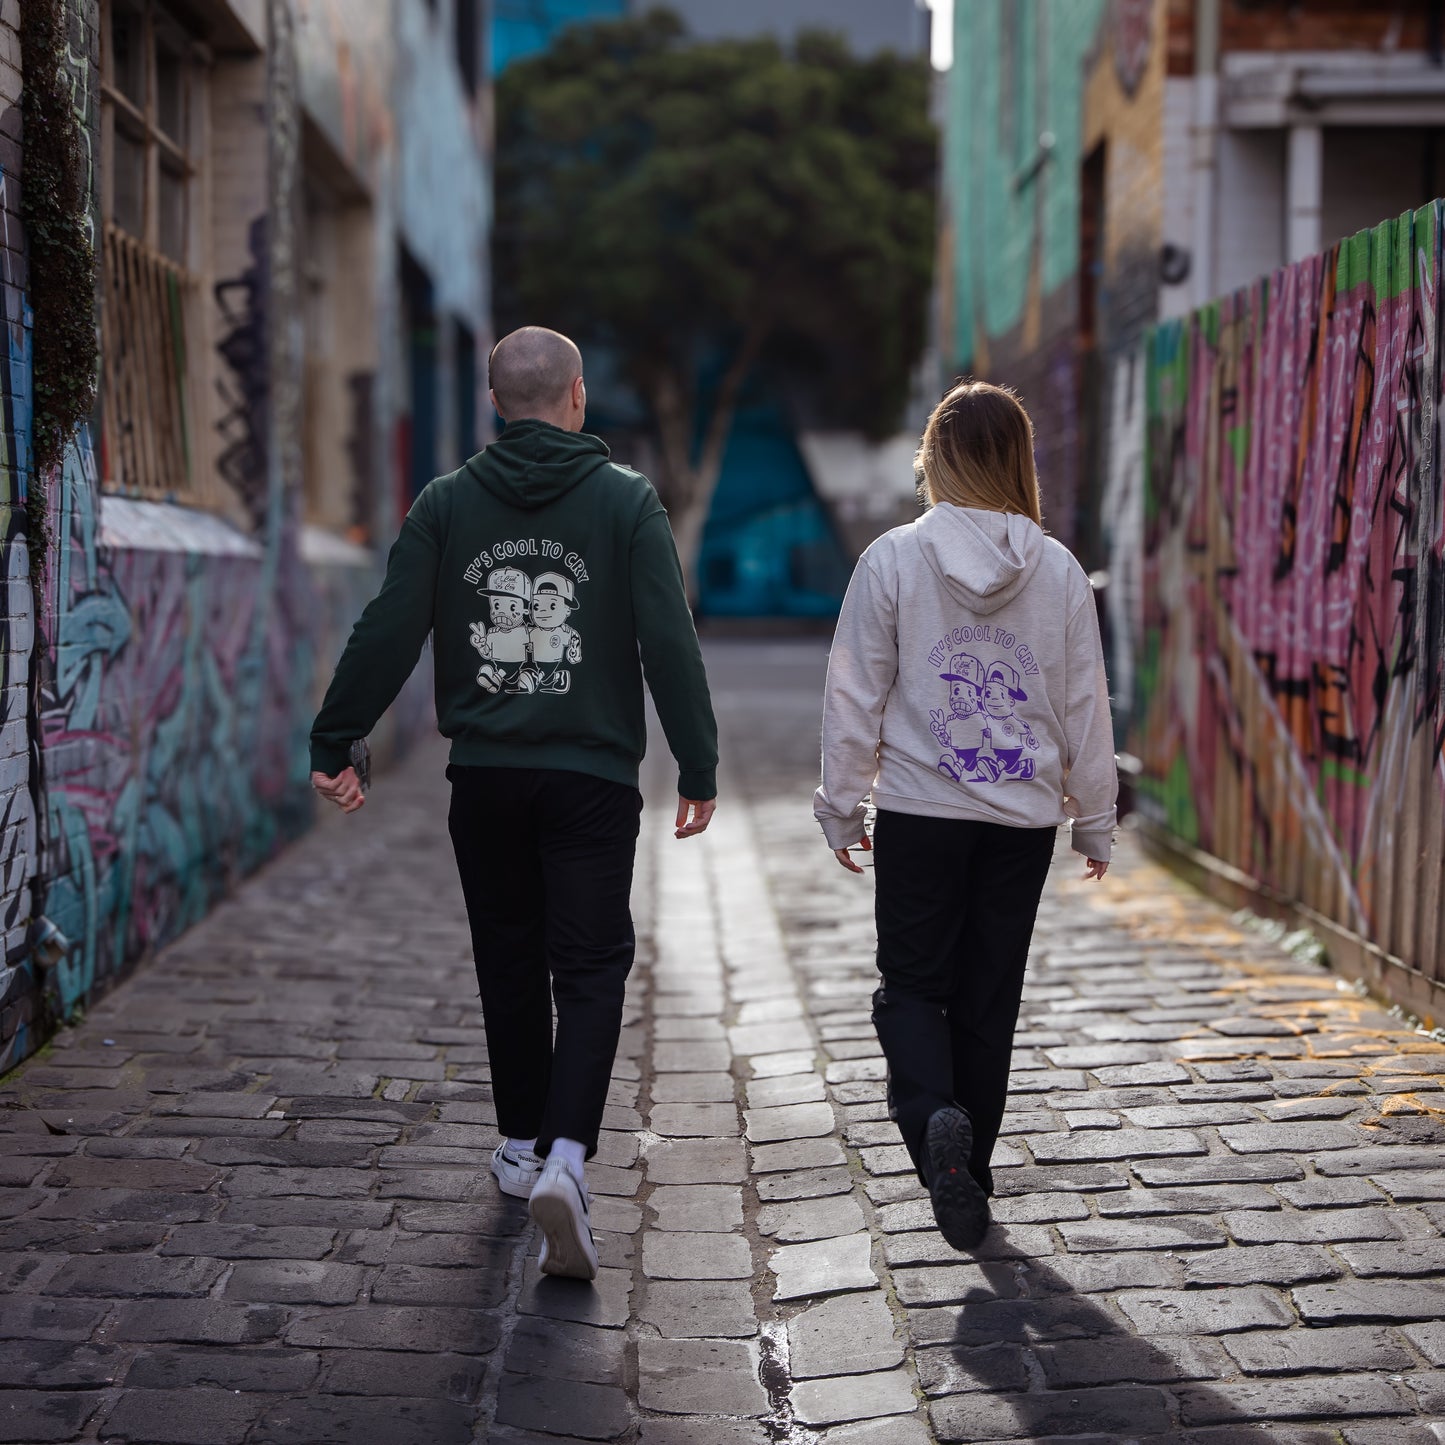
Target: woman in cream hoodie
point(966, 694)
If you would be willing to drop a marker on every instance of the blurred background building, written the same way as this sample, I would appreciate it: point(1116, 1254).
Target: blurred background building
point(291, 208)
point(1111, 164)
point(794, 507)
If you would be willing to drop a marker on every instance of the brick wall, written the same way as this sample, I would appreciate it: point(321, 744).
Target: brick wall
point(1324, 25)
point(17, 810)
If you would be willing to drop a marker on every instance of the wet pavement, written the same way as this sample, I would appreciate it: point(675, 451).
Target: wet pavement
point(246, 1200)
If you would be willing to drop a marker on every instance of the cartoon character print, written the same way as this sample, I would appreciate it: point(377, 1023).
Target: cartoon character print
point(552, 640)
point(504, 645)
point(529, 639)
point(1002, 690)
point(984, 738)
point(961, 731)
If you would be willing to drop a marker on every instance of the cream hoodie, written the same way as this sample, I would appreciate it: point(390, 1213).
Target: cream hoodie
point(966, 680)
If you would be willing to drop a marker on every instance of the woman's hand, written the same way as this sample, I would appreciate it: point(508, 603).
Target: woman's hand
point(1094, 868)
point(865, 845)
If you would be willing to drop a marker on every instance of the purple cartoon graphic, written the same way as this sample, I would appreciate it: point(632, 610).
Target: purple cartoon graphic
point(552, 641)
point(1002, 690)
point(984, 737)
point(504, 646)
point(961, 732)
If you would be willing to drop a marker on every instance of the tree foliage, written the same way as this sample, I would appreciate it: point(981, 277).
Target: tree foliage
point(701, 208)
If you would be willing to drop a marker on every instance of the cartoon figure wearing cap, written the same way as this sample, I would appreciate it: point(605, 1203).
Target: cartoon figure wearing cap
point(984, 737)
point(505, 646)
point(1003, 688)
point(961, 731)
point(552, 641)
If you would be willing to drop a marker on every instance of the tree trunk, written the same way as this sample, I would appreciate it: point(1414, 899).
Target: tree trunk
point(693, 480)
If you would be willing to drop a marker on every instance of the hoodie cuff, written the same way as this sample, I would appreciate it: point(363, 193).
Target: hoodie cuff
point(1092, 842)
point(845, 832)
point(330, 758)
point(697, 785)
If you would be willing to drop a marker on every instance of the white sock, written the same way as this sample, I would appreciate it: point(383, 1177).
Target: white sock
point(522, 1146)
point(573, 1154)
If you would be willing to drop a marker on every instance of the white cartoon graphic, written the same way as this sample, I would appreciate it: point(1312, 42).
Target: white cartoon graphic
point(529, 646)
point(504, 646)
point(985, 737)
point(552, 640)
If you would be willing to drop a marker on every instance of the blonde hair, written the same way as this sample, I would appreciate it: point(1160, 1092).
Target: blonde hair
point(978, 451)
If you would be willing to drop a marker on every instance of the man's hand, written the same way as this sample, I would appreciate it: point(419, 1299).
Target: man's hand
point(865, 845)
point(344, 789)
point(701, 816)
point(1094, 868)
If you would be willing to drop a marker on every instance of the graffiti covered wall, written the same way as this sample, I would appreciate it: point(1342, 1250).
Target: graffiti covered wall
point(156, 705)
point(17, 629)
point(1289, 670)
point(175, 660)
point(1013, 137)
point(1053, 125)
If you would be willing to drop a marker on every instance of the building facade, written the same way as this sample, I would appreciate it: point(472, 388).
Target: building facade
point(290, 210)
point(1200, 237)
point(1109, 163)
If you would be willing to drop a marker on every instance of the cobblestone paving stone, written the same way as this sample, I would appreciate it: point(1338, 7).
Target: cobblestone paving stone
point(246, 1200)
point(1219, 1179)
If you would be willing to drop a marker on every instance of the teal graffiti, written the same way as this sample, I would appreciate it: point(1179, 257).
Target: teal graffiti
point(1011, 155)
point(15, 384)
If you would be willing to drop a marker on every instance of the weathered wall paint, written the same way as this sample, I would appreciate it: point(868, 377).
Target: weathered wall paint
point(1017, 78)
point(1290, 663)
point(443, 198)
point(153, 737)
point(1036, 85)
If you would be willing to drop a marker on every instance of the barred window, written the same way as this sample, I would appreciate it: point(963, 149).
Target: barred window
point(151, 78)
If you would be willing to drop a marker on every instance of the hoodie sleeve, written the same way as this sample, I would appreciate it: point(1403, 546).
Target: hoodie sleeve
point(862, 668)
point(384, 644)
point(671, 657)
point(1090, 781)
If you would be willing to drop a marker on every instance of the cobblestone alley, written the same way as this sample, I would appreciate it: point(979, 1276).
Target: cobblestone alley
point(246, 1200)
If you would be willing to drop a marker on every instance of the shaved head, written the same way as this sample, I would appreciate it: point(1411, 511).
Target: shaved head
point(532, 372)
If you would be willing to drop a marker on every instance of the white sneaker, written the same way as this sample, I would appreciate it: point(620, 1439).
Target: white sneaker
point(516, 1170)
point(559, 1205)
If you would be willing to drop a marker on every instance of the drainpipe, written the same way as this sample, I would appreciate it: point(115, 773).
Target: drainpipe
point(1206, 146)
point(1305, 192)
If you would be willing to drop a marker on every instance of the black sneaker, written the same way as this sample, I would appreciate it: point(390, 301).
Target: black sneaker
point(959, 1205)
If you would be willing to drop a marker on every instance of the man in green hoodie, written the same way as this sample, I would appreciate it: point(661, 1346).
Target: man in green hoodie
point(547, 578)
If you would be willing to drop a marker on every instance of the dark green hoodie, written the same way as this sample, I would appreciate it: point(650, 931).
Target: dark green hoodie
point(548, 577)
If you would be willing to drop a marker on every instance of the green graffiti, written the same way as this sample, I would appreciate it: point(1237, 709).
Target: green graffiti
point(1013, 141)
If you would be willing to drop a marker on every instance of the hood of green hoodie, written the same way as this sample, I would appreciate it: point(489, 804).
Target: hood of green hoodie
point(533, 463)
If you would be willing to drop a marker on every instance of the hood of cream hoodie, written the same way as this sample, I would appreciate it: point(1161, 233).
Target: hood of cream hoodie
point(967, 680)
point(981, 559)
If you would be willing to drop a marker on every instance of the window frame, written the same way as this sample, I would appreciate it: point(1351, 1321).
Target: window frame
point(152, 321)
point(141, 123)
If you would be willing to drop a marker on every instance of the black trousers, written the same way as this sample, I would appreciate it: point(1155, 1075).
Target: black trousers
point(546, 864)
point(955, 907)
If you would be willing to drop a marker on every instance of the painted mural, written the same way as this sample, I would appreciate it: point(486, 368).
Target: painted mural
point(1289, 688)
point(1036, 87)
point(1015, 100)
point(154, 709)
